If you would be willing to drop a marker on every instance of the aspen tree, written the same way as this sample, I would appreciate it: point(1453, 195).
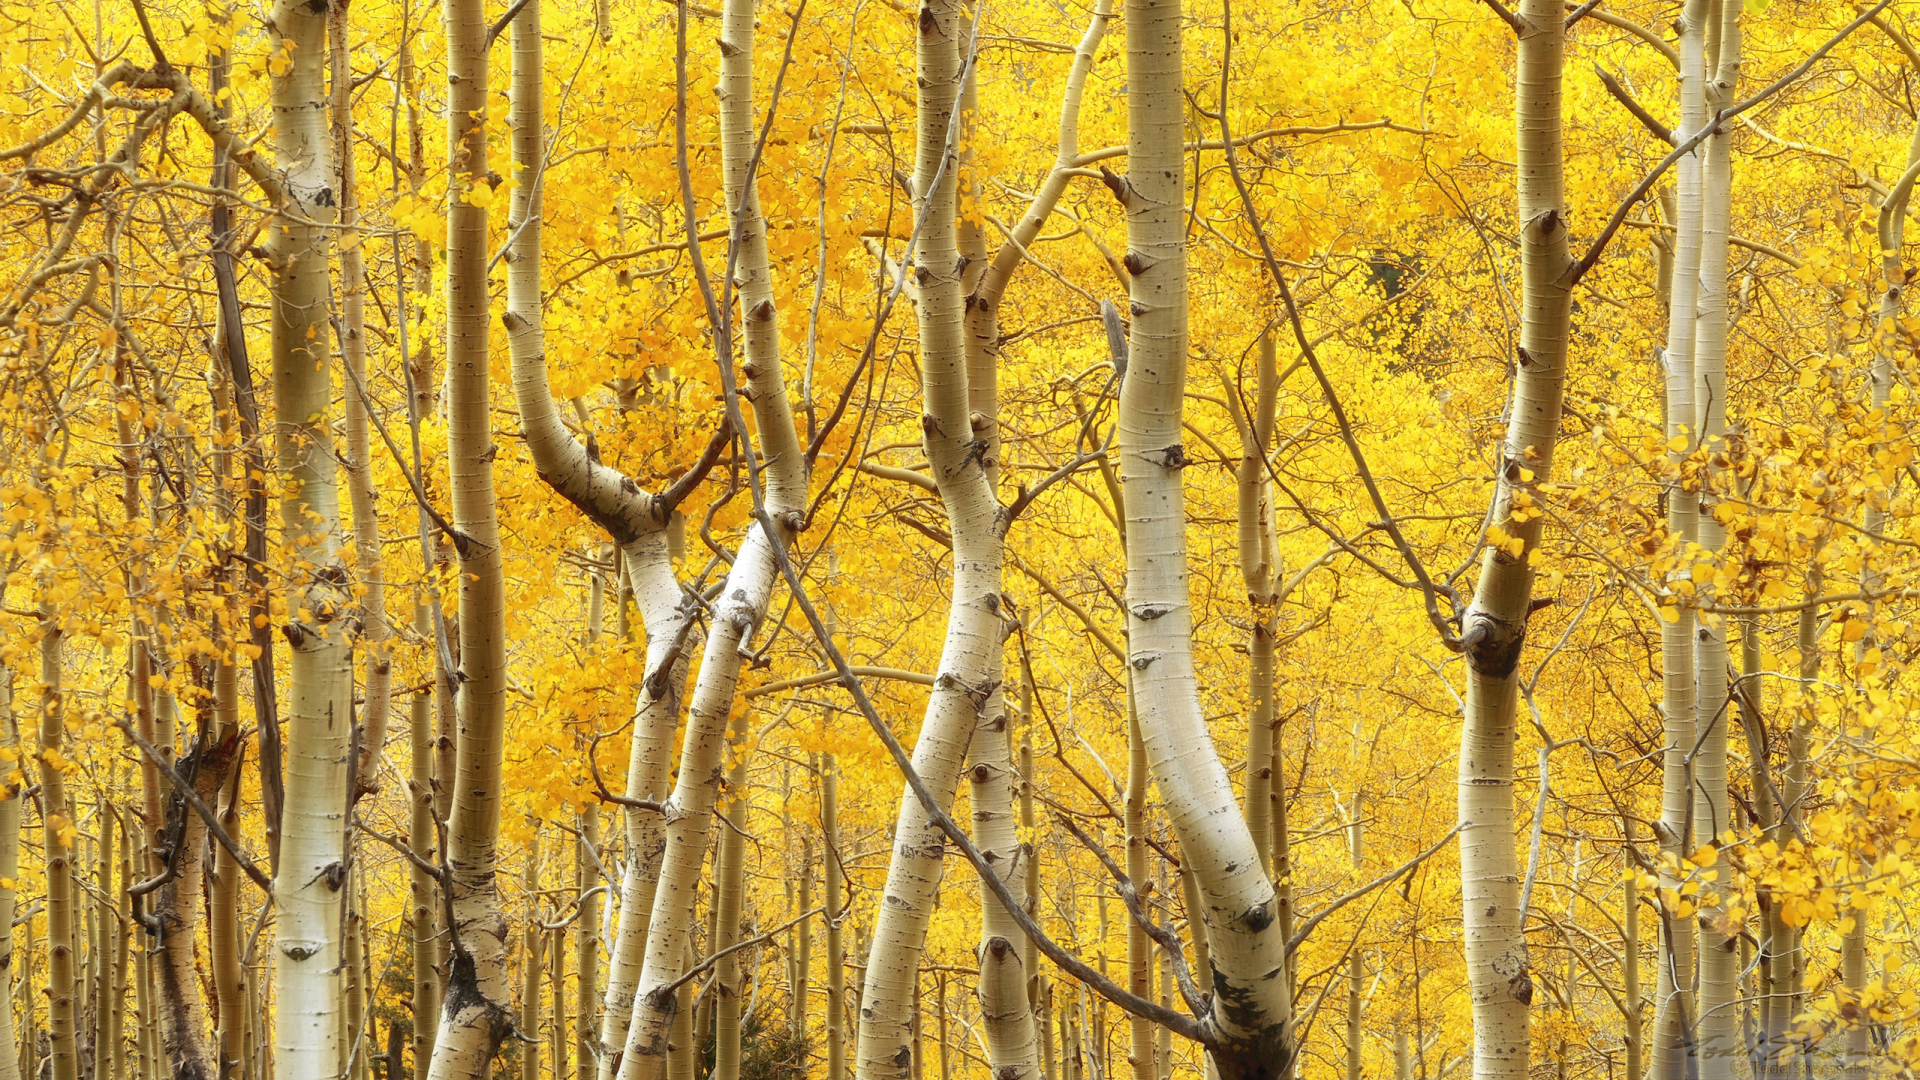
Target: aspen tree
point(1004, 957)
point(377, 682)
point(1494, 626)
point(1674, 1016)
point(749, 584)
point(966, 703)
point(729, 873)
point(424, 890)
point(311, 867)
point(1140, 950)
point(586, 1009)
point(10, 1061)
point(58, 835)
point(1249, 1004)
point(834, 875)
point(1356, 981)
point(476, 1012)
point(530, 952)
point(557, 982)
point(1719, 964)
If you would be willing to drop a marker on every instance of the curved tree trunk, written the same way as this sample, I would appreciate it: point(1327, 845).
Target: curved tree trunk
point(749, 584)
point(965, 702)
point(1250, 1005)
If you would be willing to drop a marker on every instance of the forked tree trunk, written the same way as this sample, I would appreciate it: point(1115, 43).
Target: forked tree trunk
point(749, 584)
point(1250, 1007)
point(965, 704)
point(312, 855)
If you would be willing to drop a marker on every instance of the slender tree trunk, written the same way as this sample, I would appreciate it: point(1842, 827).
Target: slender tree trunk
point(1250, 1006)
point(58, 833)
point(1356, 982)
point(729, 873)
point(176, 916)
point(586, 877)
point(377, 682)
point(749, 583)
point(10, 1060)
point(836, 951)
point(311, 868)
point(29, 1049)
point(531, 940)
point(477, 1010)
point(424, 891)
point(557, 987)
point(1140, 950)
point(965, 699)
point(1719, 1032)
point(1634, 1038)
point(1675, 1014)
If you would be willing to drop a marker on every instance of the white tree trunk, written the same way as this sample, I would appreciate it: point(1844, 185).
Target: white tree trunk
point(377, 682)
point(476, 1011)
point(1675, 1014)
point(964, 697)
point(1719, 1039)
point(1494, 629)
point(1250, 1003)
point(312, 864)
point(749, 584)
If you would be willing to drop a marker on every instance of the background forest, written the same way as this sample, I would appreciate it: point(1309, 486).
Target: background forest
point(1068, 540)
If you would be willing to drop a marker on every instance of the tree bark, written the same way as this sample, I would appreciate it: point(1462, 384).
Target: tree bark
point(477, 1009)
point(311, 869)
point(377, 681)
point(1250, 1007)
point(1494, 627)
point(1719, 1032)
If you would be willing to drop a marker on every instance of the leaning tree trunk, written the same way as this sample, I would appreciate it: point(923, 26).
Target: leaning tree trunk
point(1494, 629)
point(477, 1009)
point(638, 523)
point(964, 704)
point(749, 584)
point(1248, 1018)
point(312, 859)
